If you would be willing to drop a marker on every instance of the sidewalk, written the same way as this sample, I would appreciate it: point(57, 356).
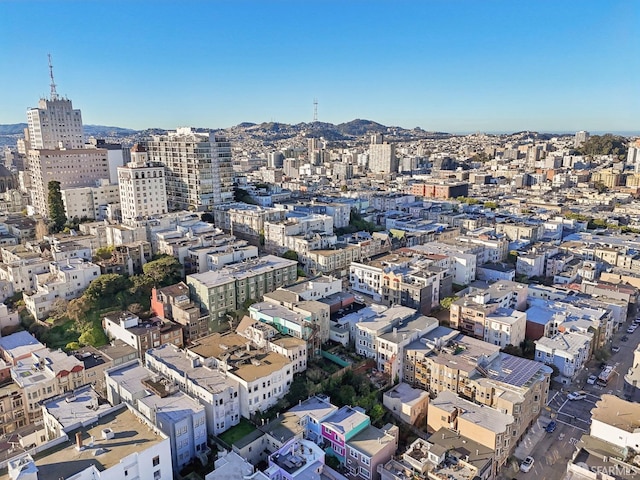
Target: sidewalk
point(532, 437)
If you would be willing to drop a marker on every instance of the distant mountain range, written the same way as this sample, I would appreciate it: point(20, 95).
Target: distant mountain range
point(89, 130)
point(271, 132)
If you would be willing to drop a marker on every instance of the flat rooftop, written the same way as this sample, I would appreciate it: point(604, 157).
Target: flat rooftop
point(178, 361)
point(248, 269)
point(371, 440)
point(617, 412)
point(81, 407)
point(20, 344)
point(484, 416)
point(64, 461)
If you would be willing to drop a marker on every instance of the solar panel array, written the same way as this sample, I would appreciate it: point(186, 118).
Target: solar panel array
point(515, 370)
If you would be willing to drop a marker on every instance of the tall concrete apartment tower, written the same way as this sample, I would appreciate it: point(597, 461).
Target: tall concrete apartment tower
point(382, 155)
point(56, 150)
point(199, 172)
point(143, 190)
point(580, 138)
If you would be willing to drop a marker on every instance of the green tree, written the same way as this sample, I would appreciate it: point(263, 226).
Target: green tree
point(103, 290)
point(290, 255)
point(93, 336)
point(56, 207)
point(600, 187)
point(346, 395)
point(104, 253)
point(607, 144)
point(72, 346)
point(376, 412)
point(491, 205)
point(446, 302)
point(163, 271)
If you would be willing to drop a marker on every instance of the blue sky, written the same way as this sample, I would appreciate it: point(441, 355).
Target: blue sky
point(450, 65)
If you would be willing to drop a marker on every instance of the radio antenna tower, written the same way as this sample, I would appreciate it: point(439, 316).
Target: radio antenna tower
point(315, 110)
point(54, 94)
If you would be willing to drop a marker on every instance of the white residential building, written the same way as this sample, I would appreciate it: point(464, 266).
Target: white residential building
point(65, 281)
point(96, 202)
point(45, 374)
point(301, 234)
point(217, 392)
point(158, 400)
point(505, 326)
point(143, 191)
point(22, 273)
point(199, 172)
point(568, 351)
point(390, 345)
point(116, 447)
point(262, 378)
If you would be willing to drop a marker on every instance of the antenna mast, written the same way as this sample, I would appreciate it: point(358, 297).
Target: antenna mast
point(54, 94)
point(315, 109)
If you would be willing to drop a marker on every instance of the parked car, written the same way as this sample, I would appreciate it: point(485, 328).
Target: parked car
point(615, 348)
point(624, 338)
point(551, 426)
point(592, 379)
point(637, 321)
point(577, 395)
point(631, 329)
point(526, 465)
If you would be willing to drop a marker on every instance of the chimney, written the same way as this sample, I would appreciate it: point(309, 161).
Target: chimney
point(78, 441)
point(477, 451)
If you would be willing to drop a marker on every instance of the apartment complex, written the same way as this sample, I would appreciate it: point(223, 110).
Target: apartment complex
point(225, 290)
point(143, 191)
point(261, 374)
point(199, 173)
point(476, 313)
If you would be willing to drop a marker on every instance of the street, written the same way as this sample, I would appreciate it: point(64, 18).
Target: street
point(552, 451)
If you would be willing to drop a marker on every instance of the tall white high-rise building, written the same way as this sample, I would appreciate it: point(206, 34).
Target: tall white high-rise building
point(580, 138)
point(143, 191)
point(55, 124)
point(56, 150)
point(382, 156)
point(199, 172)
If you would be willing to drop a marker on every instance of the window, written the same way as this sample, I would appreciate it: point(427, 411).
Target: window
point(156, 461)
point(156, 475)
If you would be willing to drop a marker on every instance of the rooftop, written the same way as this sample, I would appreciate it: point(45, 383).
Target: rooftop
point(319, 407)
point(570, 342)
point(179, 361)
point(81, 407)
point(484, 416)
point(371, 440)
point(64, 461)
point(20, 344)
point(407, 394)
point(284, 427)
point(174, 407)
point(248, 269)
point(347, 418)
point(618, 413)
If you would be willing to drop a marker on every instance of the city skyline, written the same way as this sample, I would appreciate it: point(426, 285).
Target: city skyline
point(447, 66)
